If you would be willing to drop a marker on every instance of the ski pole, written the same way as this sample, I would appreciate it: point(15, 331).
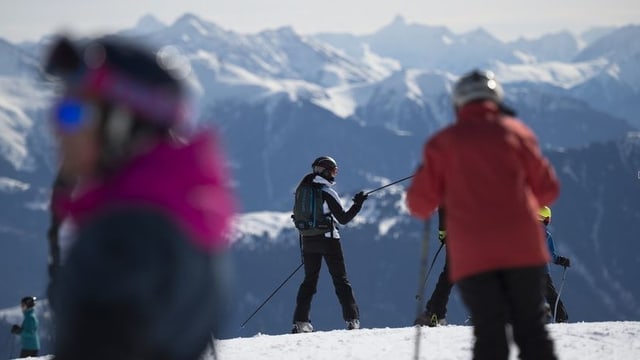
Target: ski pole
point(273, 293)
point(385, 186)
point(12, 344)
point(423, 266)
point(555, 308)
point(5, 345)
point(424, 283)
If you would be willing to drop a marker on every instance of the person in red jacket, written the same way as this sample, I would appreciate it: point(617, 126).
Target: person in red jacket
point(487, 165)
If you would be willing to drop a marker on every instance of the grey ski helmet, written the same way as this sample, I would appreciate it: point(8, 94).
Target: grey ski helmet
point(477, 85)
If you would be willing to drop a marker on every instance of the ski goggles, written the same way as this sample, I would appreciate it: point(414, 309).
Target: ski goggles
point(70, 114)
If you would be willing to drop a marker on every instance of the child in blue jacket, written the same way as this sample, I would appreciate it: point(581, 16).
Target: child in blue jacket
point(28, 331)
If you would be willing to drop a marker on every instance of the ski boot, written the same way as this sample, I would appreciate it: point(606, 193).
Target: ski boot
point(430, 319)
point(302, 327)
point(353, 324)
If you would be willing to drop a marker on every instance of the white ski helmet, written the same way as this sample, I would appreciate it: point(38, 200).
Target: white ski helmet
point(477, 85)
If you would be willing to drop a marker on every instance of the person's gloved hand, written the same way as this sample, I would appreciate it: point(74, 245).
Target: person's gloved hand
point(15, 329)
point(442, 236)
point(359, 198)
point(563, 261)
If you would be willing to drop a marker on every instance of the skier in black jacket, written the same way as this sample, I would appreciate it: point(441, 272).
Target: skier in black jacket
point(436, 309)
point(327, 246)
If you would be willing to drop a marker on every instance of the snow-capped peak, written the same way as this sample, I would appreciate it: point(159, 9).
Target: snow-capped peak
point(149, 23)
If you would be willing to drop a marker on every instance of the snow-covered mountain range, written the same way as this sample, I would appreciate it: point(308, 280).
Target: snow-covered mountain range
point(281, 98)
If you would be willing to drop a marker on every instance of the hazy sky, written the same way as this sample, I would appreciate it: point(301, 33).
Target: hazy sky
point(507, 19)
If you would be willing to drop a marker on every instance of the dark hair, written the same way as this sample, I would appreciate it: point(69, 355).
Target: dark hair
point(28, 301)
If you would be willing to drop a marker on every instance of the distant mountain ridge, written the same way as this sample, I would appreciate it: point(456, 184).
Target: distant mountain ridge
point(279, 99)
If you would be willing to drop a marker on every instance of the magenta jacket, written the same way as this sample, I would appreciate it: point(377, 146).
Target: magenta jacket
point(188, 182)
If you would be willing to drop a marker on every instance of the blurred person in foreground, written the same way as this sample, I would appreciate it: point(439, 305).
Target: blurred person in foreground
point(151, 207)
point(487, 165)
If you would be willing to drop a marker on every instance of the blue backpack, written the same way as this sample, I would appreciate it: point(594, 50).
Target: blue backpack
point(308, 216)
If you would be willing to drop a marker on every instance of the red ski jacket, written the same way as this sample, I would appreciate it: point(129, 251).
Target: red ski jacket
point(487, 170)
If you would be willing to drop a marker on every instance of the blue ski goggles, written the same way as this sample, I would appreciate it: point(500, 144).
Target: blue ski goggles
point(69, 115)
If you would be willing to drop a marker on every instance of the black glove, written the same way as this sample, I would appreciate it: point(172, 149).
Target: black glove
point(15, 329)
point(442, 236)
point(563, 261)
point(360, 198)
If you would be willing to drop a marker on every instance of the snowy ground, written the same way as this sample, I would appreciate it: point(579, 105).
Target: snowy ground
point(579, 341)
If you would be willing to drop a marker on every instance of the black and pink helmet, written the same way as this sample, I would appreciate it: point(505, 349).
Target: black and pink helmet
point(118, 72)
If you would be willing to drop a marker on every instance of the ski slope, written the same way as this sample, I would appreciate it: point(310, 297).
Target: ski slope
point(578, 341)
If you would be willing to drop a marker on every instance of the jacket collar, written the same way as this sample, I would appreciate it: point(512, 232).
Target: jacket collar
point(478, 109)
point(320, 180)
point(28, 311)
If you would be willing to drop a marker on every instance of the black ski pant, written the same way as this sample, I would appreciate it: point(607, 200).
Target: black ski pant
point(551, 295)
point(28, 353)
point(437, 303)
point(331, 251)
point(510, 295)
